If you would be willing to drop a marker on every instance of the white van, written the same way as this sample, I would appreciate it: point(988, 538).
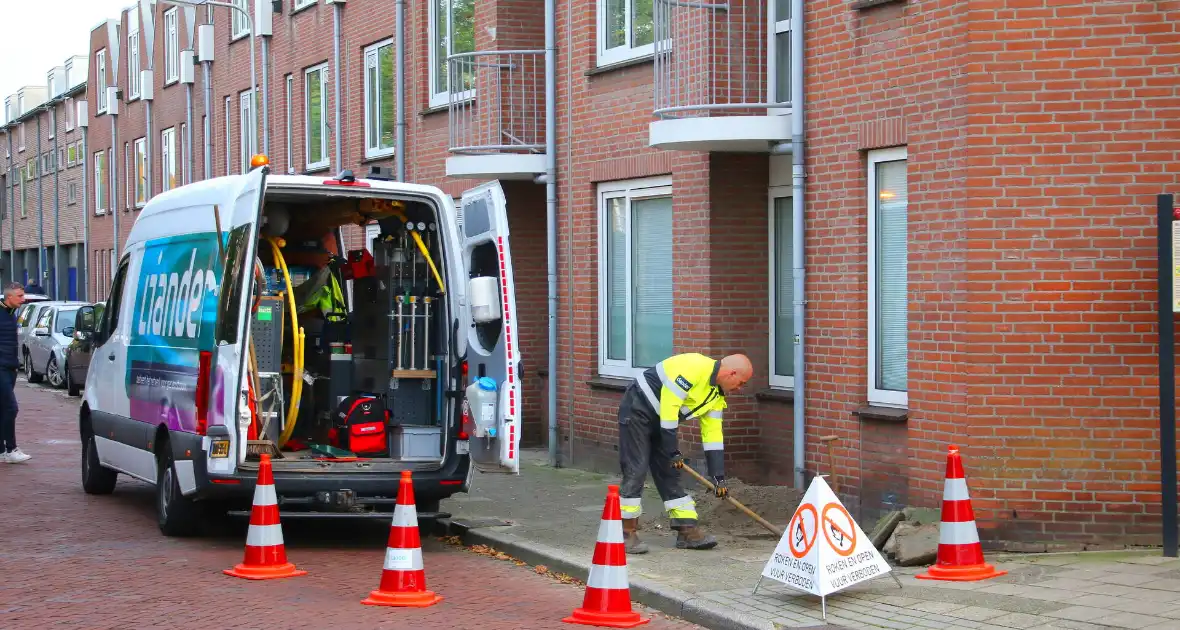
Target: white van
point(197, 369)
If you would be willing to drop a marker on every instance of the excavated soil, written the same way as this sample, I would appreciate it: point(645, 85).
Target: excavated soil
point(776, 504)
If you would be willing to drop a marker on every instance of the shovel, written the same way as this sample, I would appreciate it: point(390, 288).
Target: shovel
point(734, 502)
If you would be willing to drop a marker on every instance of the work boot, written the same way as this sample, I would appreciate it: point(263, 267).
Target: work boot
point(631, 540)
point(691, 537)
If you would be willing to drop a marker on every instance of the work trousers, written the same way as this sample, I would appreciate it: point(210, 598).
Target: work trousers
point(642, 445)
point(8, 410)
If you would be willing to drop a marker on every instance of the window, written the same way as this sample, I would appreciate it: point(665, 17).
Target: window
point(888, 197)
point(315, 134)
point(780, 54)
point(100, 76)
point(71, 154)
point(452, 31)
point(141, 191)
point(379, 100)
point(61, 159)
point(168, 158)
point(171, 47)
point(635, 265)
point(24, 193)
point(246, 138)
point(30, 169)
point(303, 4)
point(184, 165)
point(241, 27)
point(21, 144)
point(133, 56)
point(72, 193)
point(626, 30)
point(290, 91)
point(128, 177)
point(228, 137)
point(782, 288)
point(110, 315)
point(100, 182)
point(71, 113)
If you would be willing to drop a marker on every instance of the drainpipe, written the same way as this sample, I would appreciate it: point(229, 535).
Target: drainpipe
point(113, 169)
point(337, 17)
point(798, 242)
point(40, 204)
point(208, 120)
point(56, 207)
point(84, 268)
point(400, 87)
point(12, 206)
point(205, 54)
point(551, 216)
point(188, 133)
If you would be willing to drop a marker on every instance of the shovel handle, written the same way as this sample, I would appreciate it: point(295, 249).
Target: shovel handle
point(734, 502)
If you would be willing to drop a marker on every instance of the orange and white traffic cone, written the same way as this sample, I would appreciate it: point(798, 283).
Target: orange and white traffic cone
point(403, 580)
point(960, 556)
point(608, 592)
point(266, 556)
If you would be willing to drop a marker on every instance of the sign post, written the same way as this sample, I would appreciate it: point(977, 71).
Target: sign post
point(1169, 304)
point(823, 550)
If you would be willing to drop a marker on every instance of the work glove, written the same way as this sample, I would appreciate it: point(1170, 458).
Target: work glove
point(677, 460)
point(719, 487)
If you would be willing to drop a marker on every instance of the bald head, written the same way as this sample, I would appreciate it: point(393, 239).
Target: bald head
point(733, 373)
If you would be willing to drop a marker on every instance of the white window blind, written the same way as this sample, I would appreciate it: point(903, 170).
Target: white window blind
point(616, 278)
point(651, 280)
point(888, 285)
point(784, 307)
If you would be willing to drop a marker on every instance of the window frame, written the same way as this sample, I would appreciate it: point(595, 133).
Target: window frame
point(139, 156)
point(133, 65)
point(71, 112)
point(229, 133)
point(441, 99)
point(776, 380)
point(888, 398)
point(299, 5)
point(626, 52)
point(171, 46)
point(101, 195)
point(631, 190)
point(326, 162)
point(100, 73)
point(776, 27)
point(239, 25)
point(374, 51)
point(246, 146)
point(167, 158)
point(290, 87)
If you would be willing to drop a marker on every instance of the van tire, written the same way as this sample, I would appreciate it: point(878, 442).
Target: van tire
point(95, 478)
point(175, 514)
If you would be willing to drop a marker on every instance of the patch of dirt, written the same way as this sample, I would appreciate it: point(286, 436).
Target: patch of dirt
point(776, 504)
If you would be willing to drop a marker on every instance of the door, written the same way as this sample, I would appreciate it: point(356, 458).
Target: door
point(493, 348)
point(82, 347)
point(106, 383)
point(239, 217)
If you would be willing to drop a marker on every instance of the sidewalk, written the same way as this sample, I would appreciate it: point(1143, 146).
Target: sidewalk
point(550, 516)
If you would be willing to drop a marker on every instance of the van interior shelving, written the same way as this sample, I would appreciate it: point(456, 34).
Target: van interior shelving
point(366, 324)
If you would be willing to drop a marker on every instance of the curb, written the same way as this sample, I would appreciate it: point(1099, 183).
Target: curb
point(663, 598)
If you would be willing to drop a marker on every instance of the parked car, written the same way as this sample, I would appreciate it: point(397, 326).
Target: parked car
point(81, 348)
point(26, 316)
point(52, 332)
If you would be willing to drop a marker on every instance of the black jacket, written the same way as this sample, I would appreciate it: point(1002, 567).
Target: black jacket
point(9, 357)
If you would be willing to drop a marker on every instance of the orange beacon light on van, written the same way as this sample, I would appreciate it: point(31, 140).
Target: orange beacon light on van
point(259, 160)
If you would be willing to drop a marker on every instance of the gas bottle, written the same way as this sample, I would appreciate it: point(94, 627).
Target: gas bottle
point(481, 398)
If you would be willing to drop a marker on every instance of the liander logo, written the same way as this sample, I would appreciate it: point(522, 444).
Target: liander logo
point(177, 279)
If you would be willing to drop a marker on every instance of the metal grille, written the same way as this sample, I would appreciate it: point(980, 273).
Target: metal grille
point(504, 111)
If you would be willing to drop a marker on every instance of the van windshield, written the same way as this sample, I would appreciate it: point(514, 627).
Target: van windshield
point(65, 319)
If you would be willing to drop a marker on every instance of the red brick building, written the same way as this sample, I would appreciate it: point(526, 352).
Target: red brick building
point(42, 234)
point(978, 180)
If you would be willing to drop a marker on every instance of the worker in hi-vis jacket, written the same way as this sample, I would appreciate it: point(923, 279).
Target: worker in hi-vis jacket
point(679, 388)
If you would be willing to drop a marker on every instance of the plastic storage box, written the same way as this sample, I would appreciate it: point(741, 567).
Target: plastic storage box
point(415, 442)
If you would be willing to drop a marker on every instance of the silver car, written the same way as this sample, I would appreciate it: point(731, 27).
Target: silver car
point(45, 347)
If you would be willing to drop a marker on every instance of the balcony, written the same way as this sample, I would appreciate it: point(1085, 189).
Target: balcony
point(722, 80)
point(497, 124)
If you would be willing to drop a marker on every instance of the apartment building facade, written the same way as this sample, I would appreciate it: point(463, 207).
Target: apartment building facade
point(972, 188)
point(43, 231)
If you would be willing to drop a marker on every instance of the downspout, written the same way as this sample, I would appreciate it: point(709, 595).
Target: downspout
point(208, 119)
point(188, 132)
point(569, 241)
point(798, 242)
point(40, 205)
point(56, 207)
point(551, 216)
point(84, 271)
point(113, 169)
point(337, 9)
point(265, 95)
point(400, 87)
point(12, 207)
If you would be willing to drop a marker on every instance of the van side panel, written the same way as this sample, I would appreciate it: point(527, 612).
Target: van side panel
point(172, 320)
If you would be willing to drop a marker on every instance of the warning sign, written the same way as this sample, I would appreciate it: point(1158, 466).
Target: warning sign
point(823, 550)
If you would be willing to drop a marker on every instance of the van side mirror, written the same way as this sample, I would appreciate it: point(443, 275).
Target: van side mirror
point(84, 321)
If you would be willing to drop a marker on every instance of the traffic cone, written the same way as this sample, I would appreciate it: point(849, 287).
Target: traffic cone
point(960, 556)
point(403, 580)
point(608, 593)
point(266, 557)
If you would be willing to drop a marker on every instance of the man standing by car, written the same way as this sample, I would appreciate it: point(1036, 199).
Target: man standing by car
point(14, 296)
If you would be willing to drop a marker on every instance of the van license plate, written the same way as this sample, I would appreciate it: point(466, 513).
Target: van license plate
point(462, 447)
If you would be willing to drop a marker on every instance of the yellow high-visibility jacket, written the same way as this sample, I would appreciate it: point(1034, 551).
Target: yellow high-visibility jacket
point(682, 387)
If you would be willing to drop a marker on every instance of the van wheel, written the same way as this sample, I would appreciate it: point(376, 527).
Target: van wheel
point(95, 478)
point(176, 515)
point(71, 388)
point(30, 373)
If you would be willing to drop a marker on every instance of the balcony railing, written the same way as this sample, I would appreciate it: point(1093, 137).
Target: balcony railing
point(504, 111)
point(714, 59)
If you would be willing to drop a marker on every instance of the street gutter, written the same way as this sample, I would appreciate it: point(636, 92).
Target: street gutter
point(665, 599)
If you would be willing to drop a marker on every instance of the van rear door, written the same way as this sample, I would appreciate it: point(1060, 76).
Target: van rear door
point(492, 331)
point(239, 222)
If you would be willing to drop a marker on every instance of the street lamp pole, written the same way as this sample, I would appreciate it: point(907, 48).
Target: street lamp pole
point(253, 73)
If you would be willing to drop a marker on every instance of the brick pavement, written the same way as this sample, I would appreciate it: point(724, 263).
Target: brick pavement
point(70, 560)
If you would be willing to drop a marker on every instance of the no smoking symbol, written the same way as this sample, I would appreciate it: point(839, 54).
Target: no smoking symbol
point(803, 530)
point(839, 529)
